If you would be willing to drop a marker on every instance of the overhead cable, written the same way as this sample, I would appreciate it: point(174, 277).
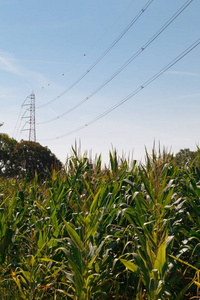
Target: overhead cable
point(139, 89)
point(102, 55)
point(15, 134)
point(134, 56)
point(44, 86)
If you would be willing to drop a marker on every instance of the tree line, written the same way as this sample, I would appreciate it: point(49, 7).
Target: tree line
point(18, 158)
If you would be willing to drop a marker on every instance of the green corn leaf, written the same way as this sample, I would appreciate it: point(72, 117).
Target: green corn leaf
point(184, 262)
point(94, 202)
point(47, 259)
point(17, 281)
point(96, 255)
point(161, 257)
point(26, 276)
point(40, 249)
point(7, 199)
point(73, 234)
point(39, 205)
point(40, 240)
point(168, 198)
point(129, 265)
point(26, 180)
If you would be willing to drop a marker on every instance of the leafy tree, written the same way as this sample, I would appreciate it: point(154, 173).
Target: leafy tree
point(185, 156)
point(32, 157)
point(20, 158)
point(7, 146)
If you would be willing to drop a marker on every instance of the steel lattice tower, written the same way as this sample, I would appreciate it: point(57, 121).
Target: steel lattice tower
point(30, 103)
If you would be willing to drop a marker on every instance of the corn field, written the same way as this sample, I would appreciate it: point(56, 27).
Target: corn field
point(127, 231)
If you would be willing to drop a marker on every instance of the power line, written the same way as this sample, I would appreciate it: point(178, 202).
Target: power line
point(19, 118)
point(134, 56)
point(102, 55)
point(139, 89)
point(15, 128)
point(44, 86)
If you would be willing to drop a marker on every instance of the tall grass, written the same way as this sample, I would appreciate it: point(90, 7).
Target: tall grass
point(130, 231)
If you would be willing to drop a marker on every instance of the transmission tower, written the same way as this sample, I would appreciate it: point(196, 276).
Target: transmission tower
point(30, 115)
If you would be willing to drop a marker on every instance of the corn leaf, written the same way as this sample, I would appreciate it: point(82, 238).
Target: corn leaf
point(129, 265)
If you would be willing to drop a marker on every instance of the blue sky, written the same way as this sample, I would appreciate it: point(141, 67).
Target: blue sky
point(42, 40)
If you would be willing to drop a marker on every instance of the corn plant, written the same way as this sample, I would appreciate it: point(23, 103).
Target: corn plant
point(127, 231)
point(150, 225)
